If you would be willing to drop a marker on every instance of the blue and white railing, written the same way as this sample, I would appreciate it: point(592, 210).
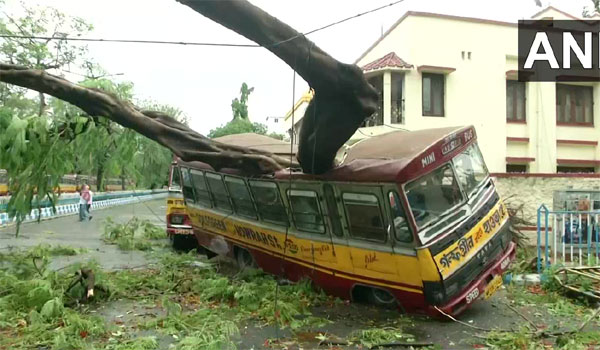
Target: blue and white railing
point(73, 209)
point(568, 238)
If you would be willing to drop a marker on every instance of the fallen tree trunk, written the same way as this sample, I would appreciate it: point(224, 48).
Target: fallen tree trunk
point(343, 98)
point(183, 141)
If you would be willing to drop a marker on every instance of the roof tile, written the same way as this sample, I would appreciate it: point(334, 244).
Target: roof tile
point(389, 60)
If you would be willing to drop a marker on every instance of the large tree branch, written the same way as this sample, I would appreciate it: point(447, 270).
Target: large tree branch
point(343, 97)
point(183, 141)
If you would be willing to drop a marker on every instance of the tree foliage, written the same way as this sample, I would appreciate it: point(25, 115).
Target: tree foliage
point(240, 123)
point(40, 140)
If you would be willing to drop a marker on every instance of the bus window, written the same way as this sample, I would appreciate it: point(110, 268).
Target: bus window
point(202, 194)
point(242, 201)
point(470, 169)
point(219, 192)
point(364, 217)
point(188, 191)
point(268, 202)
point(401, 228)
point(306, 211)
point(432, 195)
point(175, 178)
point(332, 210)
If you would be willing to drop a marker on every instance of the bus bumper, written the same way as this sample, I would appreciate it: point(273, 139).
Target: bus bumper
point(477, 289)
point(187, 230)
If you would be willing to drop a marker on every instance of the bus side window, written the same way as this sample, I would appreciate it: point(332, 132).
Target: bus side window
point(219, 192)
point(268, 202)
point(332, 210)
point(240, 196)
point(188, 192)
point(202, 193)
point(364, 217)
point(306, 211)
point(401, 228)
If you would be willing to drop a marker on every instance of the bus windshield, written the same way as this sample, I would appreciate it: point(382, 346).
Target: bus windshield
point(470, 169)
point(432, 195)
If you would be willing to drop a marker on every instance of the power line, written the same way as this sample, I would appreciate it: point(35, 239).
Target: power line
point(196, 43)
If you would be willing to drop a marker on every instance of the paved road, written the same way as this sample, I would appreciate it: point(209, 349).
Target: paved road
point(69, 231)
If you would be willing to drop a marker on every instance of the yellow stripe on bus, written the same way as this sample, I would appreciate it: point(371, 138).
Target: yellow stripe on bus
point(456, 255)
point(391, 270)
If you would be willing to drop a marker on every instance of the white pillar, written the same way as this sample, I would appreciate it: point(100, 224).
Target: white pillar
point(387, 98)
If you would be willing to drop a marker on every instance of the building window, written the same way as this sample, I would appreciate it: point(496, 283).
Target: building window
point(516, 168)
point(397, 99)
point(515, 101)
point(433, 95)
point(574, 104)
point(377, 117)
point(364, 217)
point(575, 169)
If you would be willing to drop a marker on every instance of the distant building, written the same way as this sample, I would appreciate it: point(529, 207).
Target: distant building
point(434, 70)
point(260, 142)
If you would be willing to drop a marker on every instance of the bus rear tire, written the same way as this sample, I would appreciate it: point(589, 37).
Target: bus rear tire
point(244, 259)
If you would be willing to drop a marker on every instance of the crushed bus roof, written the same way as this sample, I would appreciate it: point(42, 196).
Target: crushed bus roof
point(398, 156)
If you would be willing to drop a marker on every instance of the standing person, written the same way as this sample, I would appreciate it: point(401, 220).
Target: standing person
point(84, 197)
point(89, 203)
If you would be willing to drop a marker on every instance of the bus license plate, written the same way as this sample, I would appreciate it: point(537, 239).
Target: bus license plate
point(492, 287)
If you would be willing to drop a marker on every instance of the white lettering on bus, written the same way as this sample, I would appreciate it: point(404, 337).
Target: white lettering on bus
point(428, 159)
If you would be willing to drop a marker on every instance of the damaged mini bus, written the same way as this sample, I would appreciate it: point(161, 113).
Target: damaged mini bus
point(408, 219)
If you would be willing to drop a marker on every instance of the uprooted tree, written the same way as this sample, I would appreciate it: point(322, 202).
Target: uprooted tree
point(343, 98)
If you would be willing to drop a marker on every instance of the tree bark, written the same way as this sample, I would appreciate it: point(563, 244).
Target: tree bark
point(180, 139)
point(343, 97)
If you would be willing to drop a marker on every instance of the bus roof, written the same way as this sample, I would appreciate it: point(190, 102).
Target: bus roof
point(398, 156)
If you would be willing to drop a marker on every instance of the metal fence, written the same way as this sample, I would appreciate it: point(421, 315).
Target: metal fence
point(567, 238)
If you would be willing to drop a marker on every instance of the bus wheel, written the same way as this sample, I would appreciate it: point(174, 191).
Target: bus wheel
point(382, 298)
point(244, 258)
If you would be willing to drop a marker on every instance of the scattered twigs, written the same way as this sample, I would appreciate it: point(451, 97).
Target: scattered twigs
point(402, 344)
point(538, 333)
point(585, 323)
point(535, 327)
point(34, 259)
point(88, 284)
point(470, 325)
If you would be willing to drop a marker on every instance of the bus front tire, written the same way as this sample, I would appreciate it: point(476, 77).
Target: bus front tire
point(382, 298)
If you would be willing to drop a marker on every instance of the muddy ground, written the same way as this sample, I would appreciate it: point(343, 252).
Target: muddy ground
point(346, 318)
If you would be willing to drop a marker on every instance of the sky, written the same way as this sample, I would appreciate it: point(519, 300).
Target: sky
point(202, 81)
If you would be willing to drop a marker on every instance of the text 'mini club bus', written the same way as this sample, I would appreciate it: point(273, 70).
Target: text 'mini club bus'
point(408, 219)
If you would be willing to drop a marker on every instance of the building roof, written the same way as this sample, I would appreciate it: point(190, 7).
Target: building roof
point(552, 8)
point(397, 157)
point(391, 60)
point(258, 142)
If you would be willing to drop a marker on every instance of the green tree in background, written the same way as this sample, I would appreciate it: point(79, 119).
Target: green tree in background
point(240, 106)
point(40, 140)
point(240, 123)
